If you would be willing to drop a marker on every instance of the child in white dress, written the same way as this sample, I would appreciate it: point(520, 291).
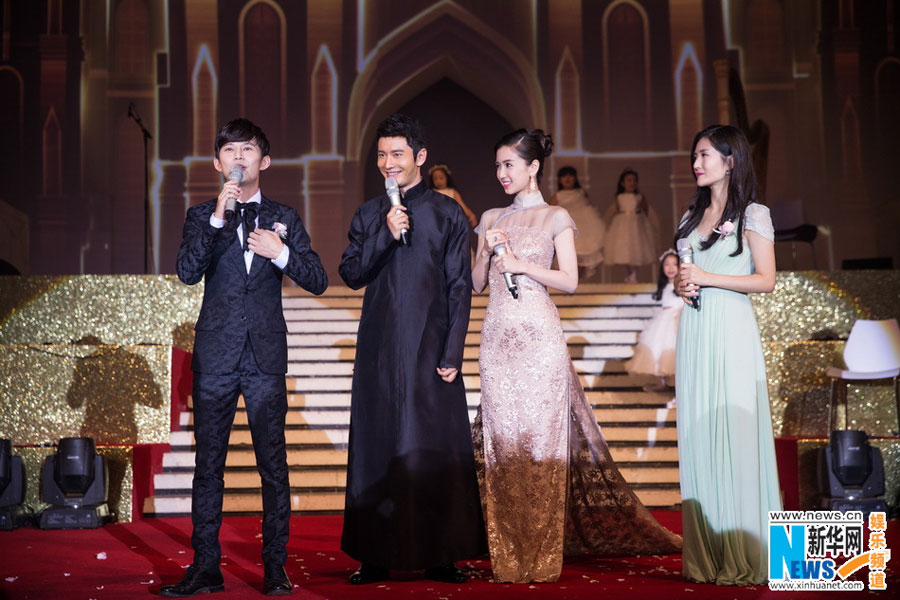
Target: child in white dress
point(591, 228)
point(630, 239)
point(655, 350)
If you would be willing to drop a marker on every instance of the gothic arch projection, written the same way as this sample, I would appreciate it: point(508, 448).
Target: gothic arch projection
point(262, 47)
point(54, 17)
point(688, 96)
point(51, 147)
point(887, 98)
point(12, 120)
point(411, 59)
point(323, 103)
point(764, 21)
point(131, 38)
point(629, 100)
point(204, 85)
point(567, 105)
point(851, 162)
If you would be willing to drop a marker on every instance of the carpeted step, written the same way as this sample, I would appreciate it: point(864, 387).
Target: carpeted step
point(305, 501)
point(340, 416)
point(597, 398)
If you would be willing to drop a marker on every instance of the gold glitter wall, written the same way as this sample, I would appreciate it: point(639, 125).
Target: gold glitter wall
point(800, 393)
point(105, 309)
point(114, 394)
point(817, 305)
point(119, 461)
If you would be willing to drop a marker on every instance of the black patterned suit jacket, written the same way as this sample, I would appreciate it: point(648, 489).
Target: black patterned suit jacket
point(235, 302)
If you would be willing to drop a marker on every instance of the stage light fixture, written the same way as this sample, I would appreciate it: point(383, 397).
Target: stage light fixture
point(74, 481)
point(13, 513)
point(851, 474)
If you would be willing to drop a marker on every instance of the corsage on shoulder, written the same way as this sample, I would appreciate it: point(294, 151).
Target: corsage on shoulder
point(725, 229)
point(280, 229)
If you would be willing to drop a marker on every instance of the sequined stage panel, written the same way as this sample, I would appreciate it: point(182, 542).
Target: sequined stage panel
point(119, 461)
point(99, 309)
point(800, 393)
point(114, 394)
point(819, 305)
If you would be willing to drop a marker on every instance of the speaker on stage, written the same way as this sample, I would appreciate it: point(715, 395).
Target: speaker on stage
point(74, 481)
point(13, 513)
point(851, 473)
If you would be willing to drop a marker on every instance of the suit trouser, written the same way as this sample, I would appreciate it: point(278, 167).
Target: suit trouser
point(215, 401)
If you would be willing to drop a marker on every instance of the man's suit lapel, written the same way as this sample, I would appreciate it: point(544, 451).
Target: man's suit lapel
point(266, 219)
point(236, 253)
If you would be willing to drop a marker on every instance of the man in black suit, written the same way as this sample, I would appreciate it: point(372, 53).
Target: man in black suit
point(241, 347)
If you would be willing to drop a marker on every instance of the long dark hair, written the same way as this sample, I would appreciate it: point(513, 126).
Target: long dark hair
point(728, 141)
point(530, 145)
point(661, 279)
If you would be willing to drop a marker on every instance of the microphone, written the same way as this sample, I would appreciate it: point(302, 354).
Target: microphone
point(393, 192)
point(237, 174)
point(509, 278)
point(686, 255)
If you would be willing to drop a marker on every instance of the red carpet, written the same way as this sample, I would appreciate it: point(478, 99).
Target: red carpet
point(140, 556)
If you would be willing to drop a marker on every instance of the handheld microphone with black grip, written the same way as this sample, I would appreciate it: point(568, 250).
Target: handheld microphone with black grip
point(509, 278)
point(393, 192)
point(237, 174)
point(686, 255)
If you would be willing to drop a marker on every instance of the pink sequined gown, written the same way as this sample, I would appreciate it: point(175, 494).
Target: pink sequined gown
point(548, 483)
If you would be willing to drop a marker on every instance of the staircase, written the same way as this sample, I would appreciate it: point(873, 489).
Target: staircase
point(600, 321)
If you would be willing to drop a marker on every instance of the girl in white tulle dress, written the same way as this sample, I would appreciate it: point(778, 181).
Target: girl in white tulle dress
point(630, 239)
point(655, 350)
point(440, 180)
point(591, 228)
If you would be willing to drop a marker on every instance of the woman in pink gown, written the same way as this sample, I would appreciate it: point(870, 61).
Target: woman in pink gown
point(548, 484)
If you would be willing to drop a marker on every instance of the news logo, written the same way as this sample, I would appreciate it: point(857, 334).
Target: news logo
point(819, 550)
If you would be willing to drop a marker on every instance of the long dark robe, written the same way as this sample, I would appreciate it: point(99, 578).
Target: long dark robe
point(412, 495)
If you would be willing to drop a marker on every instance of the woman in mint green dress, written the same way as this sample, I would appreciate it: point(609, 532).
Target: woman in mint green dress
point(726, 453)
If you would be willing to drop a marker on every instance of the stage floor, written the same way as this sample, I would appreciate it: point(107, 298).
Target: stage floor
point(127, 561)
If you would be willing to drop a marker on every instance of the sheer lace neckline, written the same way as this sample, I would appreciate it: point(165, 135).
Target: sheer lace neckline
point(528, 200)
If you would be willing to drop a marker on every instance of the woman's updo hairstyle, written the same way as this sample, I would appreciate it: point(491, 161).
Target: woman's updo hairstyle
point(530, 145)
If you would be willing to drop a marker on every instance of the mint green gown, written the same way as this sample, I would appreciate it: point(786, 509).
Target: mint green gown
point(726, 452)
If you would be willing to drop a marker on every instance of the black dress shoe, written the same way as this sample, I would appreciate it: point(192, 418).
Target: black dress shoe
point(368, 574)
point(276, 582)
point(447, 574)
point(196, 580)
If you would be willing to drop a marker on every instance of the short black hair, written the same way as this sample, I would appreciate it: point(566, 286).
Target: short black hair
point(398, 125)
point(242, 130)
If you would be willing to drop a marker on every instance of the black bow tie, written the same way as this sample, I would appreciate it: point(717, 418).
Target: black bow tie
point(249, 210)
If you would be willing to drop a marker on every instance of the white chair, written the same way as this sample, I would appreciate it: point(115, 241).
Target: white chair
point(872, 352)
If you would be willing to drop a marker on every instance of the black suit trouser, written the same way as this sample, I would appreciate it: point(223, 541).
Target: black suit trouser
point(215, 401)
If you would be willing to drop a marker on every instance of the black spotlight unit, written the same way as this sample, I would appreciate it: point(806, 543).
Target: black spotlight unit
point(12, 489)
point(74, 482)
point(851, 474)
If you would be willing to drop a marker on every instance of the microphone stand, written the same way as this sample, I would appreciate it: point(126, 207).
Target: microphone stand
point(134, 116)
